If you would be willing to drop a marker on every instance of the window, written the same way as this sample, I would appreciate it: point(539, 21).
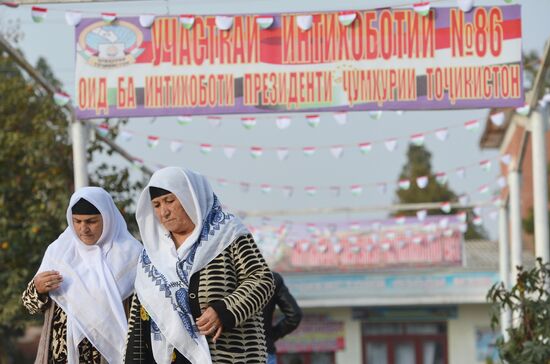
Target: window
point(404, 343)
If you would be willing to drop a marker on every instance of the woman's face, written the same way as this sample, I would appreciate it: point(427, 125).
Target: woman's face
point(172, 215)
point(88, 228)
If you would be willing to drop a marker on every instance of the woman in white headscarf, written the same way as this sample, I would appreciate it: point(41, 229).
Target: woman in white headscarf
point(85, 276)
point(201, 283)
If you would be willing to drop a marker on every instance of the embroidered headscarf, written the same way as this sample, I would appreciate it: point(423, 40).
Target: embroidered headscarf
point(163, 275)
point(96, 278)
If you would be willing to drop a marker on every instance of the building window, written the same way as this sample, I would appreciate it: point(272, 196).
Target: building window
point(404, 343)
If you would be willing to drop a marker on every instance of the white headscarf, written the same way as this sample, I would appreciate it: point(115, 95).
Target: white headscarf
point(161, 290)
point(96, 279)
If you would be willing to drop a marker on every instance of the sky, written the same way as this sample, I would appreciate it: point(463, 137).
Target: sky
point(54, 40)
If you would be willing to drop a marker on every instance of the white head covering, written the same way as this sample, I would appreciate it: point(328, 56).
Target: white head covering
point(163, 274)
point(96, 279)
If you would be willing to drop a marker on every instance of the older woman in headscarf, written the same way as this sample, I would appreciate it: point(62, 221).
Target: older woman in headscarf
point(201, 283)
point(85, 276)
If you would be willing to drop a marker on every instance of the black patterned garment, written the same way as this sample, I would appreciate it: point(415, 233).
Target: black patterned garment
point(237, 284)
point(36, 303)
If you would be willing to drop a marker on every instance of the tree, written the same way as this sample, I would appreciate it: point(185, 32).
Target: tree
point(419, 164)
point(36, 183)
point(529, 303)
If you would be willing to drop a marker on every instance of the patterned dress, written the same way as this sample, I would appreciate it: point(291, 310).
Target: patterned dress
point(36, 303)
point(237, 284)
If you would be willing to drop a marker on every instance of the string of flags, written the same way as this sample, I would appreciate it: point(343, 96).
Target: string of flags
point(283, 152)
point(225, 22)
point(357, 189)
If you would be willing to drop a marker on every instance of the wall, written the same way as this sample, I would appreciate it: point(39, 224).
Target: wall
point(461, 333)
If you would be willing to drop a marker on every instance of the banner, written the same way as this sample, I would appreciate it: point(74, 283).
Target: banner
point(386, 59)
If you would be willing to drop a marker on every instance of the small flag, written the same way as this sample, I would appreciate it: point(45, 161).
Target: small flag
point(146, 20)
point(265, 188)
point(417, 139)
point(471, 125)
point(256, 152)
point(444, 223)
point(365, 147)
point(404, 184)
point(283, 122)
point(498, 118)
point(205, 148)
point(477, 221)
point(462, 216)
point(441, 178)
point(422, 8)
point(248, 122)
point(445, 207)
point(176, 145)
point(138, 163)
point(224, 22)
point(245, 186)
point(341, 117)
point(422, 182)
point(288, 191)
point(336, 151)
point(417, 240)
point(461, 172)
point(61, 98)
point(356, 190)
point(523, 110)
point(73, 18)
point(478, 211)
point(313, 120)
point(400, 220)
point(152, 141)
point(108, 17)
point(375, 115)
point(282, 153)
point(187, 20)
point(448, 233)
point(391, 144)
point(347, 17)
point(501, 182)
point(335, 190)
point(126, 135)
point(184, 120)
point(421, 215)
point(222, 182)
point(463, 199)
point(309, 151)
point(465, 5)
point(483, 189)
point(38, 14)
point(215, 121)
point(304, 21)
point(103, 129)
point(311, 190)
point(264, 21)
point(442, 134)
point(485, 165)
point(229, 151)
point(506, 159)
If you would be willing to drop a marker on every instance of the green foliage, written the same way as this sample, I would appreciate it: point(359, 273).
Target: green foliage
point(529, 303)
point(419, 164)
point(36, 183)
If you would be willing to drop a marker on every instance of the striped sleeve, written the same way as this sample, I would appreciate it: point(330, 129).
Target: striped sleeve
point(255, 284)
point(33, 301)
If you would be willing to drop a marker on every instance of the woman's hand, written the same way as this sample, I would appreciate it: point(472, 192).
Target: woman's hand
point(209, 323)
point(47, 281)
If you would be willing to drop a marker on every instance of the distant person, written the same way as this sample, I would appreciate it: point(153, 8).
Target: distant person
point(292, 315)
point(85, 276)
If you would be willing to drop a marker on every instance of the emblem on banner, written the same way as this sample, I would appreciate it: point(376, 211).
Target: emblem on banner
point(110, 45)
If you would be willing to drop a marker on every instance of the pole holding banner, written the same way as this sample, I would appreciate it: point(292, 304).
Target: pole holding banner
point(79, 134)
point(540, 182)
point(504, 264)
